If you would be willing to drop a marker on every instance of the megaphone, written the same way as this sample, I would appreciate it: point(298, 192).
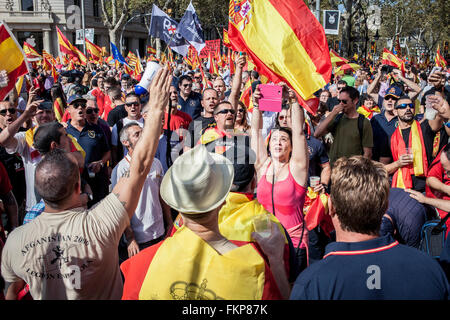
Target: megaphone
point(150, 71)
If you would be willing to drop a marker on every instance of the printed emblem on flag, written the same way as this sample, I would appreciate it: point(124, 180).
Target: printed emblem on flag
point(242, 13)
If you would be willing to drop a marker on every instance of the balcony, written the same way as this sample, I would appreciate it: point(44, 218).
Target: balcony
point(26, 17)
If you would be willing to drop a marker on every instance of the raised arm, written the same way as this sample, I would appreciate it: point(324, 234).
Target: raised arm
point(7, 139)
point(322, 128)
point(237, 81)
point(415, 89)
point(257, 141)
point(300, 159)
point(373, 85)
point(128, 188)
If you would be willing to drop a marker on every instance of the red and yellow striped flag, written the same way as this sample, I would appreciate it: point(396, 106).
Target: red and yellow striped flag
point(30, 52)
point(295, 48)
point(58, 107)
point(213, 69)
point(13, 59)
point(82, 58)
point(150, 51)
point(94, 51)
point(391, 59)
point(65, 47)
point(439, 59)
point(337, 60)
point(49, 57)
point(131, 59)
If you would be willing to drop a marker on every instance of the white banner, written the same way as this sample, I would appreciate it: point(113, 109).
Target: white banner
point(79, 39)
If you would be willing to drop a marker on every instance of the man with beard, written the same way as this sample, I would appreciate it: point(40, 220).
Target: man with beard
point(410, 165)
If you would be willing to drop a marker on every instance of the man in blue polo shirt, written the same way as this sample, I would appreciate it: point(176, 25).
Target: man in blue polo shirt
point(361, 264)
point(188, 100)
point(91, 138)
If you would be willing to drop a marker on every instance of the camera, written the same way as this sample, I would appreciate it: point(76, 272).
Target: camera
point(387, 69)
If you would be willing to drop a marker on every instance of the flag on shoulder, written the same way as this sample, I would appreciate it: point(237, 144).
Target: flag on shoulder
point(165, 28)
point(13, 59)
point(190, 28)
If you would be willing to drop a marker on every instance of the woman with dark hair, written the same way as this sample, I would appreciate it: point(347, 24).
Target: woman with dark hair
point(59, 101)
point(282, 172)
point(368, 107)
point(241, 125)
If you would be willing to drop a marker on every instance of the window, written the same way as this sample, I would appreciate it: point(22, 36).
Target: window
point(27, 5)
point(96, 8)
point(77, 3)
point(142, 47)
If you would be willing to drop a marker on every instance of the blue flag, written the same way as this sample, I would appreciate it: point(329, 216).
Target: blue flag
point(116, 54)
point(190, 28)
point(165, 28)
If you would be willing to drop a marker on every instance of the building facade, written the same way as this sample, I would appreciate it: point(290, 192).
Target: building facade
point(35, 21)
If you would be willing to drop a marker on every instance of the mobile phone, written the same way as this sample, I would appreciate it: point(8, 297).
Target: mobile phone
point(271, 97)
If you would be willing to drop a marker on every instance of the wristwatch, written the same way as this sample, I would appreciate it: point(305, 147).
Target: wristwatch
point(89, 195)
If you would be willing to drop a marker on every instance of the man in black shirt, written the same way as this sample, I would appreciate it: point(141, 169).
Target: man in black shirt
point(206, 120)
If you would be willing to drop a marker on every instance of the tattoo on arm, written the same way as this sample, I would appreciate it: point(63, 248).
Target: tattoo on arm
point(118, 197)
point(126, 174)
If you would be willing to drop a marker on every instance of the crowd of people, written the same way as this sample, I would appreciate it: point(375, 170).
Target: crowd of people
point(108, 194)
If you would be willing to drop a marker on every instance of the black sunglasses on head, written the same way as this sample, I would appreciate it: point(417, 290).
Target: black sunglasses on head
point(10, 110)
point(91, 110)
point(405, 105)
point(225, 111)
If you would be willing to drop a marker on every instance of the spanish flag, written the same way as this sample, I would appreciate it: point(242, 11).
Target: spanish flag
point(284, 40)
point(337, 60)
point(150, 51)
point(30, 52)
point(82, 58)
point(439, 59)
point(391, 59)
point(94, 51)
point(403, 176)
point(65, 47)
point(49, 57)
point(368, 113)
point(13, 59)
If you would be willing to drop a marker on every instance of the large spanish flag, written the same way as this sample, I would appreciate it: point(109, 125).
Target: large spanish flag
point(284, 40)
point(13, 59)
point(65, 47)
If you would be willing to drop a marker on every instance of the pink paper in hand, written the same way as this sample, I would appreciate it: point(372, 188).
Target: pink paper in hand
point(271, 97)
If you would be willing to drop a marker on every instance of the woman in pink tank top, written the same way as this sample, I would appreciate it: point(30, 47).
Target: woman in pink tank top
point(282, 170)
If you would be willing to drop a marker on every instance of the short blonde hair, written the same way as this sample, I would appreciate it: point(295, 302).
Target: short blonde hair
point(360, 194)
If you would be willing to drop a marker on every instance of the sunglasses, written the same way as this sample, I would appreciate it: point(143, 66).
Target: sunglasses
point(10, 110)
point(342, 101)
point(241, 110)
point(390, 98)
point(187, 85)
point(405, 105)
point(225, 111)
point(91, 110)
point(79, 104)
point(130, 104)
point(197, 78)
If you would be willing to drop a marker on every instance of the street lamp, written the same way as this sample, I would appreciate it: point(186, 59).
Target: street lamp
point(129, 20)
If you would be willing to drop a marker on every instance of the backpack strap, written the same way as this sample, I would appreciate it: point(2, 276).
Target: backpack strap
point(440, 226)
point(361, 130)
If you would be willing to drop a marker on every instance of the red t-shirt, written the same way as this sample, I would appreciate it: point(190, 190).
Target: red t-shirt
point(97, 93)
point(106, 108)
point(178, 120)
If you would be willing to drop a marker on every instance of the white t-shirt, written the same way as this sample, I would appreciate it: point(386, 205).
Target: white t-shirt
point(69, 255)
point(147, 222)
point(30, 157)
point(115, 134)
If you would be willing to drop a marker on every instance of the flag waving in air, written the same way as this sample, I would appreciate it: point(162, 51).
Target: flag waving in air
point(284, 40)
point(391, 59)
point(30, 52)
point(190, 28)
point(439, 59)
point(165, 28)
point(94, 51)
point(13, 59)
point(116, 54)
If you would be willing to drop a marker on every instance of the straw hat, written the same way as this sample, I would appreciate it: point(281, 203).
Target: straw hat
point(198, 181)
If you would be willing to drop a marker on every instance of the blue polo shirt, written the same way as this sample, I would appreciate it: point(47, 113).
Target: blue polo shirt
point(376, 269)
point(192, 105)
point(382, 131)
point(92, 139)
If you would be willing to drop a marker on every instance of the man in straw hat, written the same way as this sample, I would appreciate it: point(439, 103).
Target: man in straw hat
point(208, 265)
point(69, 252)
